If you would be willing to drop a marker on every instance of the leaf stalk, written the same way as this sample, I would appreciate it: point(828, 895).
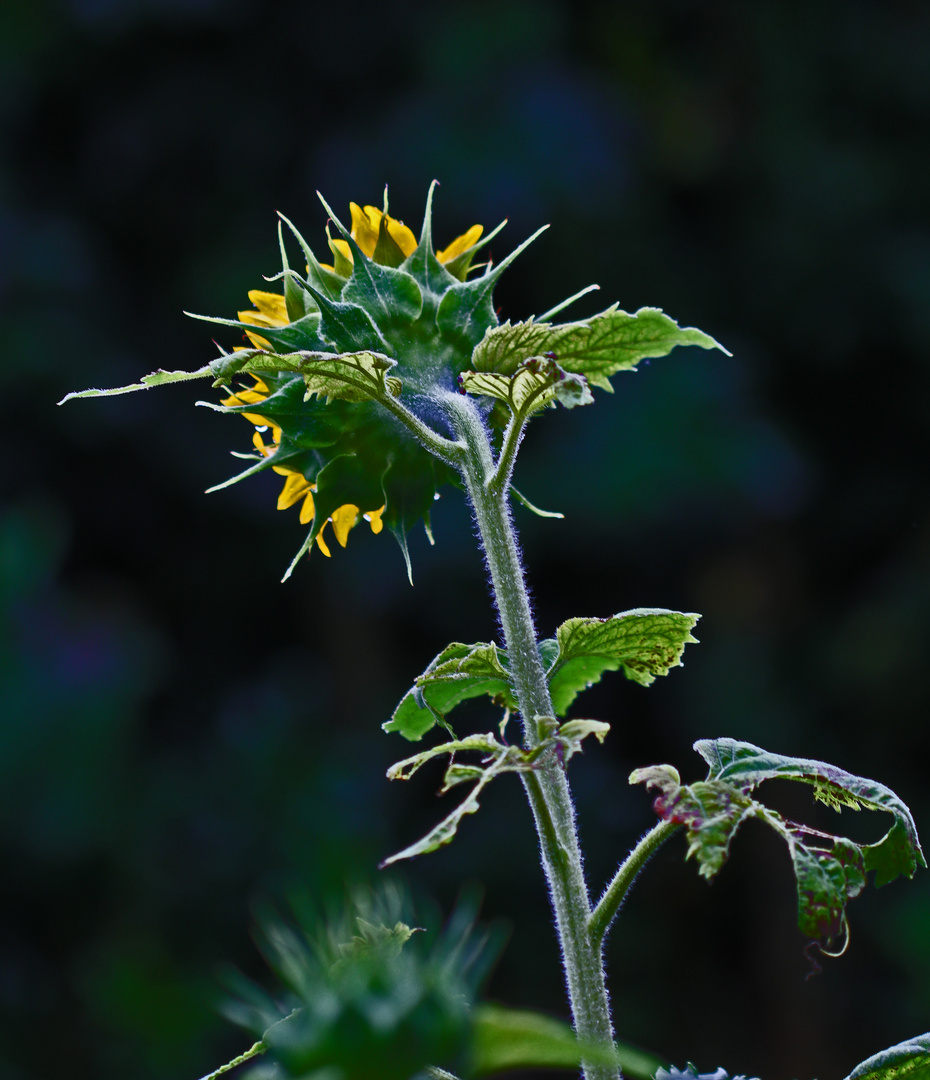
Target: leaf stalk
point(615, 893)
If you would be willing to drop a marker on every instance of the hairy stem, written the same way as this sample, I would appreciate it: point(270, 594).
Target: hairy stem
point(615, 893)
point(513, 436)
point(452, 453)
point(547, 786)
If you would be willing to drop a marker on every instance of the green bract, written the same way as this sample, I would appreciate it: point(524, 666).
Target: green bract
point(354, 366)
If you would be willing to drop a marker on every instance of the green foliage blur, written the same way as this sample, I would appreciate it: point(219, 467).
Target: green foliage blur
point(182, 738)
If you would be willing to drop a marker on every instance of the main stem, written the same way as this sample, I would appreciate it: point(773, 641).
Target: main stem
point(546, 787)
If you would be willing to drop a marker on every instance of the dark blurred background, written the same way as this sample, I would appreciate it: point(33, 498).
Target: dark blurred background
point(184, 738)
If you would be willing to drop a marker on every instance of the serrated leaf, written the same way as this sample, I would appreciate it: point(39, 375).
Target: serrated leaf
point(375, 938)
point(746, 765)
point(444, 832)
point(597, 347)
point(910, 1059)
point(711, 812)
point(354, 376)
point(643, 643)
point(157, 378)
point(505, 347)
point(487, 744)
point(458, 673)
point(691, 1073)
point(829, 870)
point(572, 733)
point(538, 382)
point(826, 879)
point(505, 1038)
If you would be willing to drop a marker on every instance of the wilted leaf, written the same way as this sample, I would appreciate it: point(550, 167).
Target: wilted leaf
point(157, 378)
point(898, 852)
point(830, 870)
point(444, 832)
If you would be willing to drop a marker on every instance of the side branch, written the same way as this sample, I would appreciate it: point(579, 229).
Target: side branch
point(615, 893)
point(452, 452)
point(503, 471)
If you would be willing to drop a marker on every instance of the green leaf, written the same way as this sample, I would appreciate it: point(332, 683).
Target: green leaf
point(710, 811)
point(898, 852)
point(910, 1059)
point(504, 1038)
point(538, 382)
point(375, 938)
point(691, 1073)
point(826, 880)
point(459, 672)
point(358, 376)
point(643, 643)
point(596, 348)
point(486, 744)
point(830, 870)
point(444, 832)
point(157, 378)
point(572, 733)
point(254, 1051)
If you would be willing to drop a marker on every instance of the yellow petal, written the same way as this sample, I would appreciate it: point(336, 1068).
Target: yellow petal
point(254, 418)
point(343, 255)
point(460, 244)
point(365, 225)
point(257, 341)
point(259, 443)
point(270, 304)
point(307, 510)
point(248, 397)
point(402, 236)
point(344, 520)
point(296, 486)
point(373, 517)
point(321, 543)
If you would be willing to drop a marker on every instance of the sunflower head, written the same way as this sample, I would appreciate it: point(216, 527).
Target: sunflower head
point(352, 369)
point(386, 294)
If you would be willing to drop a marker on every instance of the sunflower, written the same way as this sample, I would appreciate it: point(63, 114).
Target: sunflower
point(386, 241)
